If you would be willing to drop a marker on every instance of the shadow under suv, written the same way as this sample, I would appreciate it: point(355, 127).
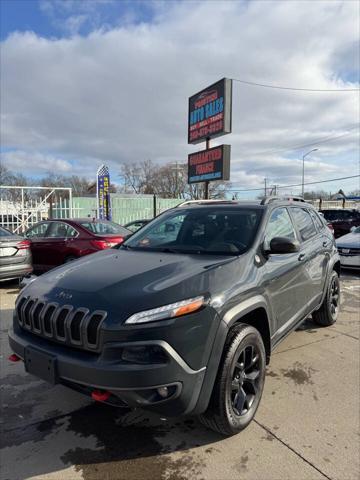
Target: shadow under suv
point(183, 316)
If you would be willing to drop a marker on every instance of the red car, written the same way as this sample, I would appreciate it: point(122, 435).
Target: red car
point(54, 242)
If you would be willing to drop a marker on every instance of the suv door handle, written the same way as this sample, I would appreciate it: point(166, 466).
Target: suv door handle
point(301, 257)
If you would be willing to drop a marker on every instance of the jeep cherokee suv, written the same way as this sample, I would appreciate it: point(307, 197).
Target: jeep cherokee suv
point(183, 316)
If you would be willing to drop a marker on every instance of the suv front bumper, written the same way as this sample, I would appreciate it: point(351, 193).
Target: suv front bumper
point(132, 384)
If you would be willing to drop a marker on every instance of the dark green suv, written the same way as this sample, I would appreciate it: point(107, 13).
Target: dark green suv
point(183, 316)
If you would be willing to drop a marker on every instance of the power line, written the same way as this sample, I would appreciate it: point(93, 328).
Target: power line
point(278, 87)
point(294, 185)
point(329, 138)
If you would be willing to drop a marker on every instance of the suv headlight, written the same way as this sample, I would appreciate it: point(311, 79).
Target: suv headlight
point(167, 311)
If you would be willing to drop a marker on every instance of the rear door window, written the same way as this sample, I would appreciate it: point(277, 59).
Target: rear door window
point(304, 223)
point(317, 220)
point(38, 231)
point(61, 230)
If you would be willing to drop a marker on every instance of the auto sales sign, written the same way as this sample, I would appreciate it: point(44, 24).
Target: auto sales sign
point(210, 112)
point(209, 165)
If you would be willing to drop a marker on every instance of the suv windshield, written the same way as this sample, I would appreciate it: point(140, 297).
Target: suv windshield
point(209, 231)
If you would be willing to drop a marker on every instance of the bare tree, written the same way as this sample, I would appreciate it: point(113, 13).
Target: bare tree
point(167, 181)
point(12, 179)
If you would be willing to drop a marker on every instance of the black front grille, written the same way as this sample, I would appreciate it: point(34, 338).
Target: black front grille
point(61, 323)
point(349, 252)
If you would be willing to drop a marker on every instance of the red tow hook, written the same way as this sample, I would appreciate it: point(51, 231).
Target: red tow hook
point(14, 358)
point(100, 395)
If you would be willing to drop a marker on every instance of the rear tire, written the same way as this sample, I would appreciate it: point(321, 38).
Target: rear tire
point(239, 383)
point(329, 310)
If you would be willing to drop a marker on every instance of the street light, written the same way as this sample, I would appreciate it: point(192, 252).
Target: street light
point(303, 169)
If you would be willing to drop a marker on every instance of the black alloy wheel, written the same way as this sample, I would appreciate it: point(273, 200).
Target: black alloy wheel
point(334, 296)
point(245, 383)
point(239, 383)
point(330, 307)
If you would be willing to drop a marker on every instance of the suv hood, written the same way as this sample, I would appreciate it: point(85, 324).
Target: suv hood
point(123, 282)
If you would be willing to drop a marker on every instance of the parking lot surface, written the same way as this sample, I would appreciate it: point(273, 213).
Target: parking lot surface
point(307, 425)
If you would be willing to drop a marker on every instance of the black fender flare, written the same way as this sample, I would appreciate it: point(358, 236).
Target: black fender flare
point(231, 317)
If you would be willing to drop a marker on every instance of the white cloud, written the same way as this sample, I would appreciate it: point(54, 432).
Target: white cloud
point(121, 95)
point(30, 163)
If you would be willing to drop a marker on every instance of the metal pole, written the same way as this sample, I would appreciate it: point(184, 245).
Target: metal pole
point(22, 210)
point(303, 177)
point(176, 179)
point(206, 190)
point(265, 186)
point(70, 202)
point(206, 196)
point(303, 170)
point(154, 205)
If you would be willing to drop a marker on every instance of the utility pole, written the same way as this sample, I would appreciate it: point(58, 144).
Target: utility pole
point(178, 168)
point(303, 170)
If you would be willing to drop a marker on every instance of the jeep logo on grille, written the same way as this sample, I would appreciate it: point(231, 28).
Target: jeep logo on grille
point(64, 295)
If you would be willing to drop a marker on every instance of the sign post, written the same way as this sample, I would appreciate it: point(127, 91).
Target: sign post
point(103, 193)
point(210, 116)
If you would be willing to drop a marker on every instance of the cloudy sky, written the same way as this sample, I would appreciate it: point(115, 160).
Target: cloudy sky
point(85, 82)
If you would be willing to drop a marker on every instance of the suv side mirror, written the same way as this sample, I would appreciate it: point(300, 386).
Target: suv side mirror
point(284, 245)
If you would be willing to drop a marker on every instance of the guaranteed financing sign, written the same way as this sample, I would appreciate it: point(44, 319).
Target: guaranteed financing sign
point(209, 165)
point(210, 112)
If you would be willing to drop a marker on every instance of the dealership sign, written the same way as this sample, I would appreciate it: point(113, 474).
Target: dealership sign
point(210, 112)
point(103, 193)
point(209, 165)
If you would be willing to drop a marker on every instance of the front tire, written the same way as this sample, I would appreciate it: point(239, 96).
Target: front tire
point(239, 383)
point(329, 310)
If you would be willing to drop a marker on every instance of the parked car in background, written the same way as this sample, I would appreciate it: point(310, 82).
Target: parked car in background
point(342, 220)
point(328, 224)
point(54, 242)
point(136, 224)
point(15, 255)
point(349, 249)
point(183, 317)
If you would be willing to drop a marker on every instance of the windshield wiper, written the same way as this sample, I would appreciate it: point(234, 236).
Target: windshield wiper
point(167, 250)
point(125, 247)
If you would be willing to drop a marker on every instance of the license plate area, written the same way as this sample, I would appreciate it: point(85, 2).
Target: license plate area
point(40, 364)
point(7, 251)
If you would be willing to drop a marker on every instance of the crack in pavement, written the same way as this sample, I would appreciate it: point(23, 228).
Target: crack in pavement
point(306, 344)
point(291, 449)
point(347, 334)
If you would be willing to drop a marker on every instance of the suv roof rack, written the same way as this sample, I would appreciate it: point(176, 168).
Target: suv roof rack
point(207, 202)
point(274, 198)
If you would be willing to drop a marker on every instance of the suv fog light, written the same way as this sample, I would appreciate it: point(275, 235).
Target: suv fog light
point(163, 392)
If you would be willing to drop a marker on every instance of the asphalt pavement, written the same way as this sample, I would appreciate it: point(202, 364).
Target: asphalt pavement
point(307, 426)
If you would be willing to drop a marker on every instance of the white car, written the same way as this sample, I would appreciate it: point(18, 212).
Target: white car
point(349, 249)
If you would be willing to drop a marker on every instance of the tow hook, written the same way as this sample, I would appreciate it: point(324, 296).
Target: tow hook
point(100, 395)
point(14, 358)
